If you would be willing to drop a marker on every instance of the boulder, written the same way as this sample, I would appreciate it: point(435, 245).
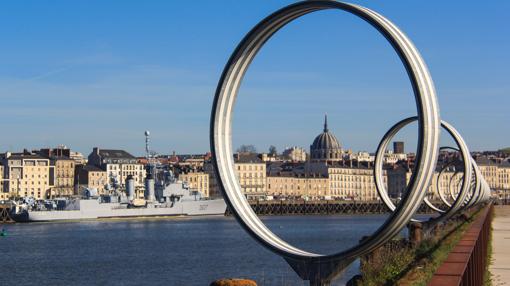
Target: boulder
point(233, 282)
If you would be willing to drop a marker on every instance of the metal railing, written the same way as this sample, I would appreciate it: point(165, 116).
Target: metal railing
point(467, 262)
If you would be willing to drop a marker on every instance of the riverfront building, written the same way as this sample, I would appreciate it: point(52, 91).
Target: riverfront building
point(3, 195)
point(295, 154)
point(398, 177)
point(360, 157)
point(349, 179)
point(504, 176)
point(41, 174)
point(78, 158)
point(91, 177)
point(27, 175)
point(496, 172)
point(63, 169)
point(329, 171)
point(298, 185)
point(196, 180)
point(353, 182)
point(64, 176)
point(118, 165)
point(193, 161)
point(250, 170)
point(214, 188)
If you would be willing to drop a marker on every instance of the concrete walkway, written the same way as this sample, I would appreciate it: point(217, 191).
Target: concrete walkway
point(500, 266)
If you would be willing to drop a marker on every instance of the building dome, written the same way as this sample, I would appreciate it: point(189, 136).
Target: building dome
point(326, 147)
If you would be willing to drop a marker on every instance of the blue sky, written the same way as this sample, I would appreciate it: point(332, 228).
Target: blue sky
point(99, 73)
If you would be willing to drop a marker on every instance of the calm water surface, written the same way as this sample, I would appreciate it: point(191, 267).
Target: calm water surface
point(187, 251)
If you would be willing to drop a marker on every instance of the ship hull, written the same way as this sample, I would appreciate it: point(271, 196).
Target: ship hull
point(92, 209)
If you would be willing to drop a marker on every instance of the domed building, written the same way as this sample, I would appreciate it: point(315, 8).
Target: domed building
point(325, 147)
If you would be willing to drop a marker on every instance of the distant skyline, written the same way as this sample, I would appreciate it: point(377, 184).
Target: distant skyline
point(100, 73)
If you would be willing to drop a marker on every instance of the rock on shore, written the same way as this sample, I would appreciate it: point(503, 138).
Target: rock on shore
point(233, 282)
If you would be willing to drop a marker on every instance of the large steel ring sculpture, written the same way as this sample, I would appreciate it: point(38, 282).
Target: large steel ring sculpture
point(319, 269)
point(459, 200)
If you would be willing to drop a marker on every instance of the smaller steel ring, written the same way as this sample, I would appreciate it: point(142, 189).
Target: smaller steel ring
point(378, 166)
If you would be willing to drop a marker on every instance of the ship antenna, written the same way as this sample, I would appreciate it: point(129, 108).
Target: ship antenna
point(148, 153)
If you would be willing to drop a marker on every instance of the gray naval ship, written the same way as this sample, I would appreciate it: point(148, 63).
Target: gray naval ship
point(164, 195)
point(171, 198)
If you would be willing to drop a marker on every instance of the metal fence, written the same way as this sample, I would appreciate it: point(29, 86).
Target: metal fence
point(467, 262)
point(322, 207)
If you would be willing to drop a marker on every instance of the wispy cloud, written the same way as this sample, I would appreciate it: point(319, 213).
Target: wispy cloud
point(48, 74)
point(100, 58)
point(163, 99)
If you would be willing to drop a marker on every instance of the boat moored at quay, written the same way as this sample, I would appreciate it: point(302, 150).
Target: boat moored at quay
point(164, 195)
point(175, 199)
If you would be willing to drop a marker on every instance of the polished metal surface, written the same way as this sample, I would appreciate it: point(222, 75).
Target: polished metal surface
point(321, 268)
point(459, 200)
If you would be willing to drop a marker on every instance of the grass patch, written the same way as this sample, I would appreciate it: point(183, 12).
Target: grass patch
point(432, 255)
point(397, 263)
point(487, 276)
point(385, 264)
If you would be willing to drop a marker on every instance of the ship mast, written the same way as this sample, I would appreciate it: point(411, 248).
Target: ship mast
point(148, 155)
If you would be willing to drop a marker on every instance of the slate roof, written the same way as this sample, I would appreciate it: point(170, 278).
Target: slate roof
point(92, 168)
point(484, 161)
point(248, 158)
point(115, 154)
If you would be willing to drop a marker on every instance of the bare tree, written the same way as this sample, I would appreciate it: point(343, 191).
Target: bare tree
point(272, 150)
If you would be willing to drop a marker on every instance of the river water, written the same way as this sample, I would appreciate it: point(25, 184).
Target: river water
point(178, 251)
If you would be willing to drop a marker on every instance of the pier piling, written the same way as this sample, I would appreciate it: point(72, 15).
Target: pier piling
point(4, 214)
